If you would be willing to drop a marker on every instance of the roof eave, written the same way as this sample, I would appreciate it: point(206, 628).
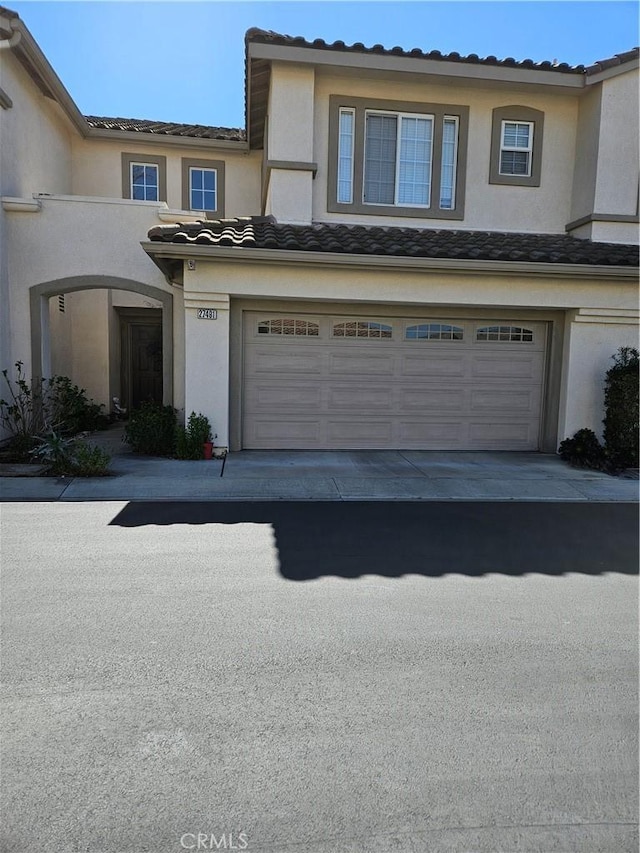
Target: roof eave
point(166, 252)
point(614, 71)
point(27, 52)
point(145, 138)
point(416, 65)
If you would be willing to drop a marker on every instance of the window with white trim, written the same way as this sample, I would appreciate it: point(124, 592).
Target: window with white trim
point(516, 146)
point(144, 176)
point(203, 189)
point(144, 181)
point(203, 186)
point(345, 156)
point(399, 159)
point(517, 134)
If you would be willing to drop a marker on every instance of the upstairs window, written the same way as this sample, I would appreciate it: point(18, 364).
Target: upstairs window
point(396, 159)
point(144, 177)
point(202, 189)
point(144, 181)
point(203, 186)
point(516, 146)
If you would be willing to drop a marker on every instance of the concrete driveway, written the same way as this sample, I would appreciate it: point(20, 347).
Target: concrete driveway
point(418, 677)
point(330, 476)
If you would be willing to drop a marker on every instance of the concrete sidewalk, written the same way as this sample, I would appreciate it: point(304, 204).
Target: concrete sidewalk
point(328, 476)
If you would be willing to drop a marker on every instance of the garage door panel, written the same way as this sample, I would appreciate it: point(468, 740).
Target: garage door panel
point(330, 393)
point(501, 400)
point(432, 400)
point(436, 364)
point(272, 360)
point(358, 363)
point(264, 432)
point(431, 434)
point(360, 398)
point(289, 396)
point(360, 433)
point(494, 435)
point(503, 365)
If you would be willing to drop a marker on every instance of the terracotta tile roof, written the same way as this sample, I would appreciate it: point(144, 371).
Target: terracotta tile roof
point(268, 37)
point(263, 232)
point(164, 128)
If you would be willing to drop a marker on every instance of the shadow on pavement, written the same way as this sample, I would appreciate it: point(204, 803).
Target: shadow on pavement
point(351, 539)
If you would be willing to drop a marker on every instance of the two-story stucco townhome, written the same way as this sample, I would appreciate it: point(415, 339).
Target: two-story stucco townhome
point(401, 250)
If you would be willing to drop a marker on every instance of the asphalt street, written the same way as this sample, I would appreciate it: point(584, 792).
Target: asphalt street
point(319, 677)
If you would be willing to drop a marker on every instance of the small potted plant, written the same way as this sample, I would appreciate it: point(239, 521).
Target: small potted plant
point(207, 447)
point(194, 441)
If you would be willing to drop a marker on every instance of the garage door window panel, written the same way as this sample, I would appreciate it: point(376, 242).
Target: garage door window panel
point(434, 332)
point(362, 329)
point(505, 334)
point(289, 326)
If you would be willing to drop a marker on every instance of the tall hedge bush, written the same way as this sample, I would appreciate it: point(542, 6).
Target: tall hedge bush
point(621, 421)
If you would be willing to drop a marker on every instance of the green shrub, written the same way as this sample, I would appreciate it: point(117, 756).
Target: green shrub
point(71, 411)
point(584, 450)
point(23, 413)
point(33, 411)
point(56, 452)
point(621, 421)
point(151, 430)
point(89, 460)
point(67, 456)
point(189, 439)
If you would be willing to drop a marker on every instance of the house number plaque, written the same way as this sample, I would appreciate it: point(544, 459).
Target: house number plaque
point(207, 314)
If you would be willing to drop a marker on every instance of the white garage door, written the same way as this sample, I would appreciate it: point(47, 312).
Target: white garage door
point(332, 382)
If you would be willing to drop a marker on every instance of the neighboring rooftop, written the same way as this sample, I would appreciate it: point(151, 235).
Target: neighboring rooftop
point(268, 37)
point(263, 232)
point(164, 128)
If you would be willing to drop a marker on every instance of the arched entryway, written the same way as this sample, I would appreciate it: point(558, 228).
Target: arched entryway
point(139, 331)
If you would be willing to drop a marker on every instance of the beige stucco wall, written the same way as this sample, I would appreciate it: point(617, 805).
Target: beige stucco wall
point(586, 155)
point(82, 337)
point(35, 138)
point(75, 239)
point(617, 180)
point(487, 206)
point(35, 156)
point(591, 339)
point(97, 171)
point(290, 127)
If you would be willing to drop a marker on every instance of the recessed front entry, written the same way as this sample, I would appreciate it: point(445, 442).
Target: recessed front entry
point(367, 381)
point(141, 351)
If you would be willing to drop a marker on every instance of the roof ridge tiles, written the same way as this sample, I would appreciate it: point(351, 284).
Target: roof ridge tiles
point(165, 128)
point(256, 34)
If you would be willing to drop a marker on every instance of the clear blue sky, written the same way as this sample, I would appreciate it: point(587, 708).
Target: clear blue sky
point(184, 61)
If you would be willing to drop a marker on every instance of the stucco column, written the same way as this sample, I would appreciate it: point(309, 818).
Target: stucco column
point(207, 360)
point(592, 337)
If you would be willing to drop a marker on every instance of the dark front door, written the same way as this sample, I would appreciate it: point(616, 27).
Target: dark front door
point(146, 363)
point(141, 354)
